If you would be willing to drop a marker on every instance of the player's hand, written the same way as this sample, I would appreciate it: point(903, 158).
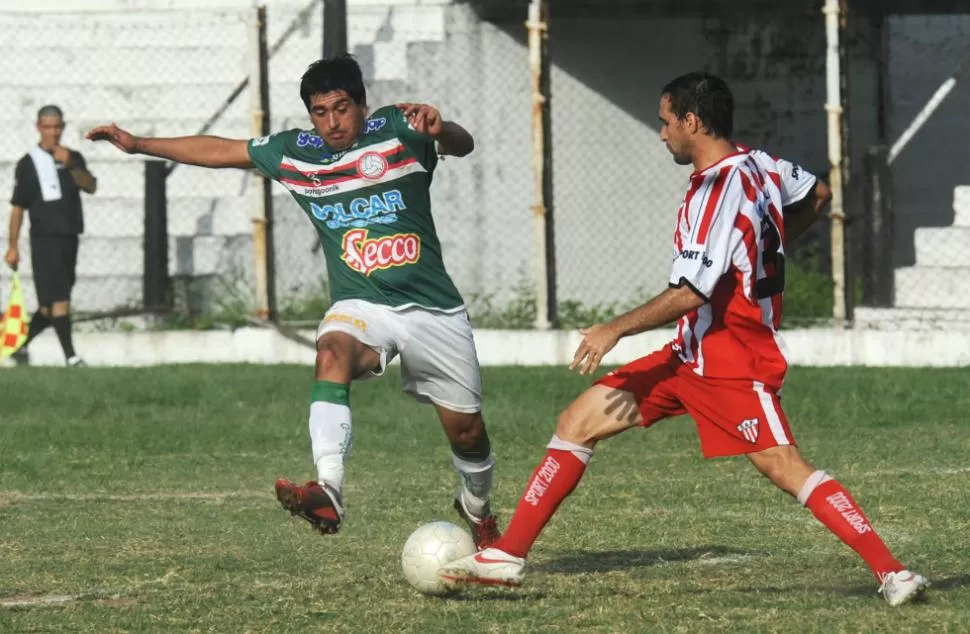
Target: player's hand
point(62, 155)
point(423, 118)
point(597, 341)
point(121, 139)
point(12, 258)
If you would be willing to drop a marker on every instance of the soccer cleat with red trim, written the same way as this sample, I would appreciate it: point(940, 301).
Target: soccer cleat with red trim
point(484, 529)
point(317, 503)
point(490, 567)
point(901, 587)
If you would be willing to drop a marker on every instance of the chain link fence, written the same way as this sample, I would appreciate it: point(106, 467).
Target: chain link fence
point(929, 96)
point(616, 189)
point(158, 73)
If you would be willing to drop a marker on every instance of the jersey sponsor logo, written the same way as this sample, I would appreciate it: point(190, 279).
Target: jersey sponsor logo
point(373, 125)
point(366, 255)
point(308, 139)
point(371, 165)
point(693, 254)
point(749, 429)
point(360, 212)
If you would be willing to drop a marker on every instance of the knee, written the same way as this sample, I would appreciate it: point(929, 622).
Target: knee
point(332, 359)
point(574, 427)
point(467, 431)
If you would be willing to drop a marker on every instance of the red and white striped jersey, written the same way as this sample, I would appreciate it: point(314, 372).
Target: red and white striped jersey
point(729, 248)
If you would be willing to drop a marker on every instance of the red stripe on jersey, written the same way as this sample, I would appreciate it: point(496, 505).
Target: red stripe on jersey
point(749, 192)
point(776, 177)
point(743, 223)
point(713, 201)
point(695, 184)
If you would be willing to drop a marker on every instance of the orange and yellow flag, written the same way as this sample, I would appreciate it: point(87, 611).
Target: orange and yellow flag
point(13, 327)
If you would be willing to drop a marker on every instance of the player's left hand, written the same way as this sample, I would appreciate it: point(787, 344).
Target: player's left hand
point(597, 341)
point(423, 118)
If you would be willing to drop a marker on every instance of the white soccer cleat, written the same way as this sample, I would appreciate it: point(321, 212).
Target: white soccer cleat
point(899, 587)
point(490, 567)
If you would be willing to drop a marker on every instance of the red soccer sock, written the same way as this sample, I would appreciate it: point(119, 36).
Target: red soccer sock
point(551, 483)
point(833, 506)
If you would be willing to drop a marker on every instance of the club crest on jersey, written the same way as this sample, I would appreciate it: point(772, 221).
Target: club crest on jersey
point(371, 165)
point(366, 255)
point(749, 429)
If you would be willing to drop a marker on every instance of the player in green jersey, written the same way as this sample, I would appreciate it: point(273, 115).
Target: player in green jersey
point(364, 180)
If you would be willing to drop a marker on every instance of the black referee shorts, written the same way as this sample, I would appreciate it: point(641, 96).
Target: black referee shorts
point(54, 260)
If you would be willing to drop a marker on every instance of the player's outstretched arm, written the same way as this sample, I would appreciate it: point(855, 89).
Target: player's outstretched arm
point(668, 306)
point(201, 150)
point(803, 214)
point(452, 139)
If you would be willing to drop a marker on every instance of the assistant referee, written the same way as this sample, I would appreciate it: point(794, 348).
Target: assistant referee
point(49, 182)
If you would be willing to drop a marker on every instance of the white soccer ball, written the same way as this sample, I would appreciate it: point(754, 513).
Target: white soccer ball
point(429, 548)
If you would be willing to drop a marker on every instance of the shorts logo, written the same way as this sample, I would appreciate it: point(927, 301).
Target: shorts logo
point(371, 165)
point(749, 429)
point(359, 324)
point(378, 254)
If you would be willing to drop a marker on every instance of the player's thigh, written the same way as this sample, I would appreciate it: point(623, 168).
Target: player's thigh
point(439, 361)
point(735, 417)
point(637, 394)
point(363, 330)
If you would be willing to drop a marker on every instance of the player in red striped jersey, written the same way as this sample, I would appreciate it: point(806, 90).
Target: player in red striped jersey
point(727, 362)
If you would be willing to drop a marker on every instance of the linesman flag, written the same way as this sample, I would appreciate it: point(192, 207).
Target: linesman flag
point(13, 327)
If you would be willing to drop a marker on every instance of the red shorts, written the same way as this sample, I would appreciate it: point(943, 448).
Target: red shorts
point(733, 416)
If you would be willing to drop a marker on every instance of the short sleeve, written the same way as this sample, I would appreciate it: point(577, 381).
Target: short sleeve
point(24, 185)
point(707, 240)
point(77, 161)
point(266, 153)
point(421, 145)
point(796, 182)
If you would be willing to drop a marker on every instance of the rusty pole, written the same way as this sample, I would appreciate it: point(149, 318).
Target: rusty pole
point(538, 26)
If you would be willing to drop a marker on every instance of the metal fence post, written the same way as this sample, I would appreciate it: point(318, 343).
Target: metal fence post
point(878, 283)
point(156, 285)
point(545, 274)
point(334, 27)
point(262, 201)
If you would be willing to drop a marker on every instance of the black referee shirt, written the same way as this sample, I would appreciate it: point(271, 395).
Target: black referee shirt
point(57, 217)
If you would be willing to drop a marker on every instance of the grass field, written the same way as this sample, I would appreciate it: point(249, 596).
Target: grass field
point(141, 501)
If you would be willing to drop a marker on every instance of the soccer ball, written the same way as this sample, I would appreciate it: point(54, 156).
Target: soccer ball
point(429, 548)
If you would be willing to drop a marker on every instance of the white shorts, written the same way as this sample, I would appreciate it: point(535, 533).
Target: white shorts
point(439, 363)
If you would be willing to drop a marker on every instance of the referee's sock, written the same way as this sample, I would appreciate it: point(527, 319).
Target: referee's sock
point(38, 322)
point(62, 326)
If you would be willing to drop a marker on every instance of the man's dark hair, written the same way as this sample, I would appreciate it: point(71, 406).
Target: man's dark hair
point(341, 72)
point(49, 111)
point(708, 97)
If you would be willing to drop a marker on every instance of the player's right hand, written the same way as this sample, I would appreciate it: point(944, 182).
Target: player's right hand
point(12, 258)
point(121, 139)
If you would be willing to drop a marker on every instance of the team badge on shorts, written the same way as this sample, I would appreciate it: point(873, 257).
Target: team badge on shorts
point(749, 429)
point(371, 165)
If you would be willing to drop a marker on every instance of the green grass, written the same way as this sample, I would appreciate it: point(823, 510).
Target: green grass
point(146, 496)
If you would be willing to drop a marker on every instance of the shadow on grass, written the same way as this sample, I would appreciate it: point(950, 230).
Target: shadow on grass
point(611, 560)
point(857, 590)
point(474, 593)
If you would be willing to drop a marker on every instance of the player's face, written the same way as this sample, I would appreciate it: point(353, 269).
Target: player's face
point(336, 118)
point(674, 133)
point(51, 129)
